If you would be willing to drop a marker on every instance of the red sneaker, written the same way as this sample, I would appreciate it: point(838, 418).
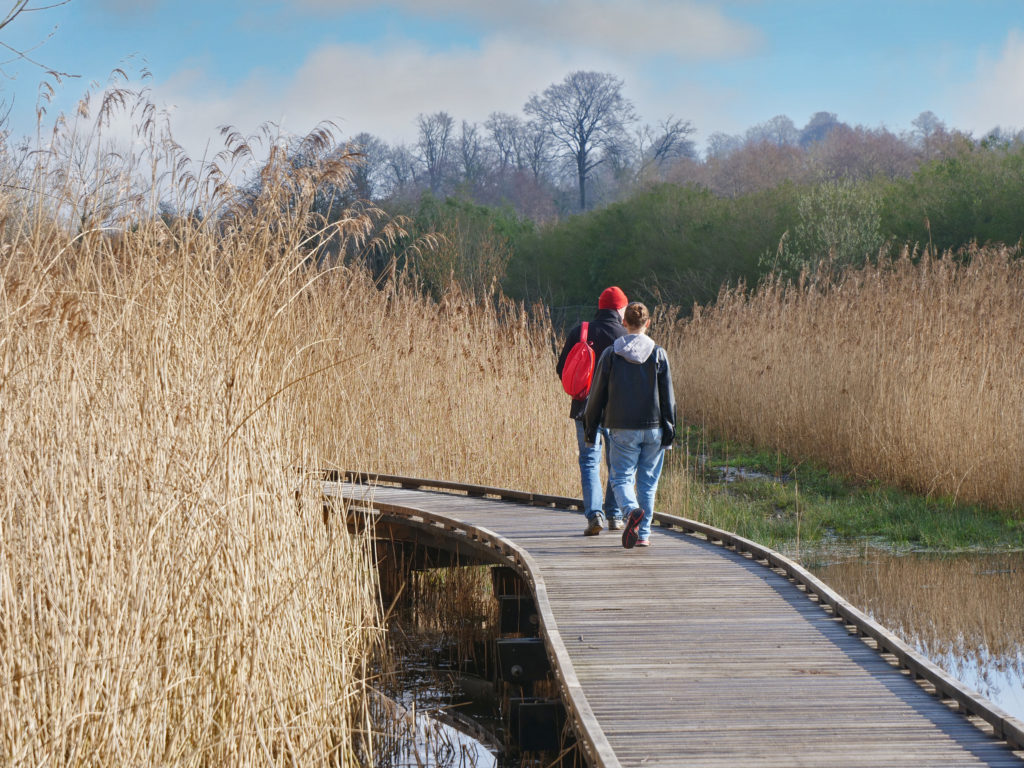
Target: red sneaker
point(632, 532)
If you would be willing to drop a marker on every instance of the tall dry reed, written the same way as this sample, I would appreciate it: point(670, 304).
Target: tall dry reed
point(170, 591)
point(909, 372)
point(463, 390)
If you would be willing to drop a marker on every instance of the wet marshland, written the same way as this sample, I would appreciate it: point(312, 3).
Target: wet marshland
point(962, 611)
point(959, 610)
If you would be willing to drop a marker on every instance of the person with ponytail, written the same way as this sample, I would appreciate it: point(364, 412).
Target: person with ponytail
point(631, 398)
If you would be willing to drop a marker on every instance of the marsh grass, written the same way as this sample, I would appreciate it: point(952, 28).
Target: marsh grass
point(907, 373)
point(171, 592)
point(170, 589)
point(455, 608)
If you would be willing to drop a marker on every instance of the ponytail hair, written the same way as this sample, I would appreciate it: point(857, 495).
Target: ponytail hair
point(636, 316)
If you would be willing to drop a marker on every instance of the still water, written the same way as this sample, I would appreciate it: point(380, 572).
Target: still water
point(962, 611)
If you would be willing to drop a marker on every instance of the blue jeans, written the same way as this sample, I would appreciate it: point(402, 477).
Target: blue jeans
point(590, 475)
point(636, 457)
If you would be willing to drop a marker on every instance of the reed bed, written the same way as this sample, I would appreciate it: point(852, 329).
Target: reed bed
point(908, 373)
point(171, 592)
point(462, 389)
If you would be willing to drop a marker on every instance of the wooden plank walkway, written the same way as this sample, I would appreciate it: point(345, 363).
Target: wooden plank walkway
point(689, 654)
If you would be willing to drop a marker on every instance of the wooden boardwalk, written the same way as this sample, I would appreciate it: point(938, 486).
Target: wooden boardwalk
point(691, 654)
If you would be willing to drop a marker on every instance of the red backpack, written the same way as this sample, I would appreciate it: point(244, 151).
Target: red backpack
point(579, 367)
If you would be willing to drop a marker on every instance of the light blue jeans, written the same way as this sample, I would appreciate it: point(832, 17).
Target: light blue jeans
point(636, 458)
point(590, 475)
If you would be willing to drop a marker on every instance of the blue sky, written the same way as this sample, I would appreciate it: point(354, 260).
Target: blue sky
point(372, 66)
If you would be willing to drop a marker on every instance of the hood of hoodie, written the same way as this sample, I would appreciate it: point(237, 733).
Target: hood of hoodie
point(635, 347)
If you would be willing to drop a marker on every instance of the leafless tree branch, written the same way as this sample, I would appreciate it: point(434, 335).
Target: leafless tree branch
point(17, 9)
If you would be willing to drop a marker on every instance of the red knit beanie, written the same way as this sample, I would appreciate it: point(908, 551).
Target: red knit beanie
point(612, 298)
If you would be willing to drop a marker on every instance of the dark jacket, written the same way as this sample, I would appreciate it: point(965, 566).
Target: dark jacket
point(603, 330)
point(632, 389)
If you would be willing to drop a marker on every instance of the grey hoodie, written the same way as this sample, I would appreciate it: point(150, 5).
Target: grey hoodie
point(634, 396)
point(635, 347)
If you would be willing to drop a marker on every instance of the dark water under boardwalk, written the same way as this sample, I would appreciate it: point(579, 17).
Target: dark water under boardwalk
point(441, 722)
point(442, 674)
point(962, 611)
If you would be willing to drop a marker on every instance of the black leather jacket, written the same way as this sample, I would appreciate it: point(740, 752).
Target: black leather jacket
point(631, 395)
point(602, 331)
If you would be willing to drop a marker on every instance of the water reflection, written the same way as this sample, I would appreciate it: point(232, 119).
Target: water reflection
point(440, 677)
point(961, 611)
point(432, 725)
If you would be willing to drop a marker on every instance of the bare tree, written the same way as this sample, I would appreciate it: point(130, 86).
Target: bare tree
point(779, 130)
point(533, 150)
point(754, 167)
point(371, 159)
point(401, 171)
point(504, 130)
point(472, 154)
point(435, 145)
point(721, 145)
point(861, 154)
point(670, 140)
point(586, 114)
point(929, 132)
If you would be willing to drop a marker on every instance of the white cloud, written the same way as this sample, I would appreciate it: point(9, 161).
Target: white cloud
point(996, 95)
point(683, 30)
point(671, 27)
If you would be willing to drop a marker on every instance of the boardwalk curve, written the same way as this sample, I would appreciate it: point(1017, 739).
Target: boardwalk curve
point(707, 649)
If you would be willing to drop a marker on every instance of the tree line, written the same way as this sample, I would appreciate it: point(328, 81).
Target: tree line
point(578, 145)
point(570, 196)
point(575, 145)
point(681, 242)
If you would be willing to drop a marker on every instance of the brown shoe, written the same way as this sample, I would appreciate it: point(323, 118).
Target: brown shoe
point(615, 524)
point(594, 526)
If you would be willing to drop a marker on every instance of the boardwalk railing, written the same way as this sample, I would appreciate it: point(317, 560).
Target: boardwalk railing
point(894, 650)
point(885, 642)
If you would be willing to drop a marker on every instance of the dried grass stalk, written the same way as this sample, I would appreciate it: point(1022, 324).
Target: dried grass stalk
point(909, 373)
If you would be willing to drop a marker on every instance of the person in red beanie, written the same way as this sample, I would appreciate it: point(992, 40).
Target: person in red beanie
point(600, 507)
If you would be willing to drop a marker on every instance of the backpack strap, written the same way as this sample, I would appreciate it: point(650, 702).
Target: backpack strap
point(583, 331)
